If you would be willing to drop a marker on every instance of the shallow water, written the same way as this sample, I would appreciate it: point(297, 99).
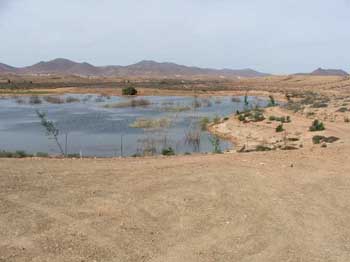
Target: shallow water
point(95, 130)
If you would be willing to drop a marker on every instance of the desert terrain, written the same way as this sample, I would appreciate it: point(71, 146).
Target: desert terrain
point(276, 205)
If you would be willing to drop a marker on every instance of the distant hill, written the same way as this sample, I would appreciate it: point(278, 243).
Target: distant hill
point(7, 69)
point(326, 72)
point(141, 69)
point(329, 72)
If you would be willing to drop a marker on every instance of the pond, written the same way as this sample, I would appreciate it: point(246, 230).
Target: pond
point(105, 126)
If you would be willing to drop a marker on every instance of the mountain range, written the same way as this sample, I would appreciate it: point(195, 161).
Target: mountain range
point(142, 69)
point(146, 68)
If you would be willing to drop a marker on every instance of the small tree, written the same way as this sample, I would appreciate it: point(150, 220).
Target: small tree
point(215, 141)
point(246, 102)
point(129, 91)
point(51, 129)
point(272, 101)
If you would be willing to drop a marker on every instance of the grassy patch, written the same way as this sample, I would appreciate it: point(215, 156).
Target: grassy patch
point(130, 103)
point(151, 123)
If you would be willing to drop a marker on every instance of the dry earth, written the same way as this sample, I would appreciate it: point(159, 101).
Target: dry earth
point(284, 206)
point(268, 206)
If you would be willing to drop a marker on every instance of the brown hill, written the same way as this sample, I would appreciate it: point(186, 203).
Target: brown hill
point(329, 72)
point(141, 69)
point(7, 69)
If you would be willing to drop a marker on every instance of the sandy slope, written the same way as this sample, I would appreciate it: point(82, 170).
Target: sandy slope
point(249, 135)
point(284, 206)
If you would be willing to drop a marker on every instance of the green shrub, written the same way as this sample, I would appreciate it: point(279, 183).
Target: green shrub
point(204, 123)
point(283, 119)
point(129, 91)
point(319, 139)
point(279, 128)
point(343, 110)
point(42, 154)
point(241, 117)
point(168, 151)
point(258, 116)
point(317, 126)
point(319, 105)
point(215, 142)
point(254, 115)
point(53, 99)
point(129, 103)
point(74, 155)
point(34, 100)
point(262, 148)
point(71, 99)
point(216, 120)
point(17, 154)
point(272, 101)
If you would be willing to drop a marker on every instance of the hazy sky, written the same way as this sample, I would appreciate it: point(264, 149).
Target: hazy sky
point(275, 36)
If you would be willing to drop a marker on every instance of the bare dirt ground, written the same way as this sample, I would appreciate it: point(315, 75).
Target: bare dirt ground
point(280, 206)
point(260, 206)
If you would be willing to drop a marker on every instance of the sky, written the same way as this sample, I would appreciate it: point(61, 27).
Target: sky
point(273, 36)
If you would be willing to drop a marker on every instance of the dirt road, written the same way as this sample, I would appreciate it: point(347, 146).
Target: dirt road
point(280, 206)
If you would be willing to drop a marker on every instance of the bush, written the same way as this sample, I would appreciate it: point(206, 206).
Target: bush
point(34, 100)
point(130, 103)
point(53, 100)
point(74, 155)
point(168, 151)
point(216, 120)
point(71, 99)
point(204, 123)
point(342, 110)
point(255, 115)
point(283, 119)
point(319, 139)
point(317, 126)
point(279, 128)
point(272, 101)
point(319, 105)
point(151, 123)
point(17, 154)
point(241, 117)
point(129, 91)
point(41, 154)
point(258, 117)
point(215, 142)
point(262, 148)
